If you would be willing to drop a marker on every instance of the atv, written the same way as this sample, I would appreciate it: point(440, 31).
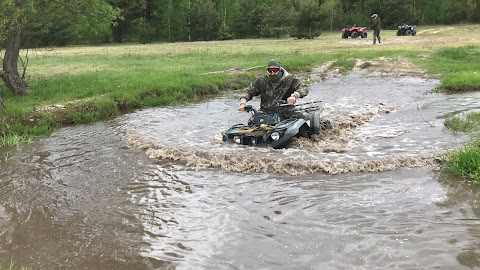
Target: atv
point(406, 30)
point(354, 32)
point(273, 130)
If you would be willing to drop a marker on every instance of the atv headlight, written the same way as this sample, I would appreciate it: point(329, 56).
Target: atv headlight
point(237, 139)
point(275, 135)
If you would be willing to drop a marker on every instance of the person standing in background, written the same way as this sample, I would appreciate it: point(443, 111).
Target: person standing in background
point(376, 26)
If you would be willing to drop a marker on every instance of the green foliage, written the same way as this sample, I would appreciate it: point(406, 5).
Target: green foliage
point(52, 29)
point(89, 111)
point(126, 19)
point(48, 23)
point(464, 162)
point(343, 65)
point(144, 29)
point(468, 53)
point(92, 18)
point(307, 20)
point(14, 139)
point(433, 11)
point(204, 20)
point(393, 12)
point(275, 21)
point(8, 13)
point(464, 123)
point(462, 81)
point(171, 21)
point(248, 18)
point(465, 61)
point(225, 33)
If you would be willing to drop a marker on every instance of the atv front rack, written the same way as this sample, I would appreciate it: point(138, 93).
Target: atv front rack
point(310, 107)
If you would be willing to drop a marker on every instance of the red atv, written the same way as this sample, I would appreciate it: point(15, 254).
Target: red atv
point(354, 32)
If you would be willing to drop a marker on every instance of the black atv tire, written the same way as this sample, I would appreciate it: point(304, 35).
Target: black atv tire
point(354, 35)
point(326, 125)
point(399, 33)
point(408, 32)
point(364, 35)
point(317, 125)
point(414, 33)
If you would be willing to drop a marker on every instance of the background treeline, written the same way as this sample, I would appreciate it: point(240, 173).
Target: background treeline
point(195, 20)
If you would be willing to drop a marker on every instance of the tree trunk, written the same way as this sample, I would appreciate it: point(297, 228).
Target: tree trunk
point(10, 75)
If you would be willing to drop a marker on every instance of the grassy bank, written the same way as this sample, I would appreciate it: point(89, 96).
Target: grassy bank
point(86, 84)
point(465, 162)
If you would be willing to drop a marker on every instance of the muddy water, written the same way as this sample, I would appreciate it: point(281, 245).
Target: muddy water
point(158, 189)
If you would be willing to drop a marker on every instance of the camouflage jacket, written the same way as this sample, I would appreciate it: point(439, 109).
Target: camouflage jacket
point(377, 24)
point(270, 93)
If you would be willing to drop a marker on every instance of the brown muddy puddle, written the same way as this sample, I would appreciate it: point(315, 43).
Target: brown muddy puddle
point(380, 123)
point(158, 189)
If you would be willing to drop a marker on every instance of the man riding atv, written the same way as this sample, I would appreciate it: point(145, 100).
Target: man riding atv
point(273, 87)
point(279, 119)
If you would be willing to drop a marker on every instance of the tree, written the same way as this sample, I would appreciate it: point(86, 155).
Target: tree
point(248, 18)
point(204, 19)
point(129, 11)
point(308, 19)
point(331, 9)
point(17, 15)
point(13, 26)
point(433, 11)
point(459, 11)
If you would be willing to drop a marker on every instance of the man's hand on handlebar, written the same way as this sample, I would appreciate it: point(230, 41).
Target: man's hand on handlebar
point(291, 99)
point(241, 107)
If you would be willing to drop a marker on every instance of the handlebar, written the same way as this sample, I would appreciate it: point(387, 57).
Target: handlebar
point(307, 106)
point(250, 108)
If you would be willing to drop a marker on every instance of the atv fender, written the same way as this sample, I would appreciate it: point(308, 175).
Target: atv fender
point(291, 132)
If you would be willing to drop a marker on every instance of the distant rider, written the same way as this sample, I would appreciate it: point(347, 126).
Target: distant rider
point(273, 87)
point(376, 26)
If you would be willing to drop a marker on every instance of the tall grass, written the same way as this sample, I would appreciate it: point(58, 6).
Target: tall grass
point(463, 123)
point(465, 162)
point(13, 139)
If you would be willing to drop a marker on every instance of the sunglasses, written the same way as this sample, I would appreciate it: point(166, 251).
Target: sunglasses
point(272, 71)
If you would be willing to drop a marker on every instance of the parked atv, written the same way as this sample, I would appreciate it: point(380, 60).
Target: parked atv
point(354, 32)
point(406, 30)
point(271, 129)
